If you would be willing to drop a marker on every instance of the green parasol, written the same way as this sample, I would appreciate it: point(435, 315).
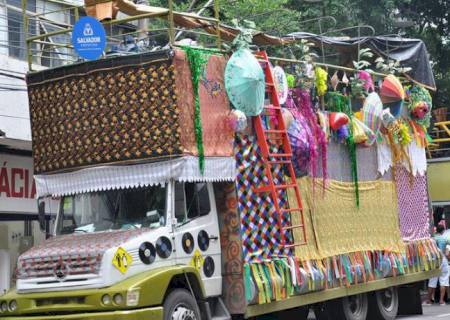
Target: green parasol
point(244, 82)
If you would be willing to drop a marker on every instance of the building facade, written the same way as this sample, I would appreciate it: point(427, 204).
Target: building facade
point(19, 228)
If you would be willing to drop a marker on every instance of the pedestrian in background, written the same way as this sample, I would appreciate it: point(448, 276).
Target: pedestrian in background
point(441, 242)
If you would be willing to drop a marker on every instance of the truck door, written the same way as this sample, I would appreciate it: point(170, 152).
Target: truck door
point(197, 240)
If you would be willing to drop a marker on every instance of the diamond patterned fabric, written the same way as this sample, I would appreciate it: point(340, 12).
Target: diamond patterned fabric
point(412, 205)
point(259, 222)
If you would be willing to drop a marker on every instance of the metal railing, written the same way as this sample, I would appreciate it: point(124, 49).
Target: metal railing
point(53, 46)
point(440, 133)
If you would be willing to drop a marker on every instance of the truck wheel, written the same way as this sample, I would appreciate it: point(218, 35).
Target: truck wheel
point(180, 305)
point(354, 307)
point(383, 304)
point(347, 308)
point(323, 311)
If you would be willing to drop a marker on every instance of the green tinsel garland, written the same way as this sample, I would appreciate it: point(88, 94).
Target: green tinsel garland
point(339, 103)
point(197, 58)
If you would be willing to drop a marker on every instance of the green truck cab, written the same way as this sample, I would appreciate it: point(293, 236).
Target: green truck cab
point(123, 264)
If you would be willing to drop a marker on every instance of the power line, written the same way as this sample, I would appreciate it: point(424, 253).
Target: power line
point(11, 89)
point(9, 116)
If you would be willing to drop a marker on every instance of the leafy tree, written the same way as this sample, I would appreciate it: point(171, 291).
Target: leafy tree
point(429, 21)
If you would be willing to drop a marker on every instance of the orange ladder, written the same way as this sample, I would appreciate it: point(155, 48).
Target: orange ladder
point(273, 132)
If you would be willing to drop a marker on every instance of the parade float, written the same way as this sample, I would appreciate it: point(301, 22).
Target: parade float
point(200, 184)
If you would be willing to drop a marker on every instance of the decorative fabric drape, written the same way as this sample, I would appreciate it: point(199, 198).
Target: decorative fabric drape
point(416, 155)
point(218, 136)
point(340, 227)
point(130, 176)
point(104, 112)
point(183, 83)
point(413, 209)
point(259, 221)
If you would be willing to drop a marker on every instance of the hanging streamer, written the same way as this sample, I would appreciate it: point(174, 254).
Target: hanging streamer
point(283, 277)
point(197, 61)
point(340, 103)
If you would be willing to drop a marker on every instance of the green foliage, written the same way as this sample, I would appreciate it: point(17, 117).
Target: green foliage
point(429, 19)
point(301, 50)
point(362, 63)
point(245, 37)
point(390, 66)
point(272, 16)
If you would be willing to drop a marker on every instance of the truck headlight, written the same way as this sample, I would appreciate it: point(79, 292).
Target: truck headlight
point(4, 306)
point(13, 305)
point(133, 298)
point(118, 299)
point(106, 299)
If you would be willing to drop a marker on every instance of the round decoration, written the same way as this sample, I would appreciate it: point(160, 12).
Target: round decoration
point(188, 242)
point(208, 267)
point(420, 105)
point(244, 82)
point(237, 120)
point(372, 112)
point(163, 247)
point(298, 137)
point(147, 252)
point(337, 120)
point(281, 84)
point(392, 90)
point(203, 240)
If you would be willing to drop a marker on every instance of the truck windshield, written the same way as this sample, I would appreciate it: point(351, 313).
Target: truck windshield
point(113, 210)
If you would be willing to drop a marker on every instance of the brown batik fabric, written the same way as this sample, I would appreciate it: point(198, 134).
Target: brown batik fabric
point(104, 115)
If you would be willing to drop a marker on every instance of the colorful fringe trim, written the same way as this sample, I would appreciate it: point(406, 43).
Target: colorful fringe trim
point(280, 278)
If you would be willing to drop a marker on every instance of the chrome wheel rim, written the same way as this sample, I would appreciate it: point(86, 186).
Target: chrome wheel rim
point(355, 304)
point(182, 312)
point(387, 299)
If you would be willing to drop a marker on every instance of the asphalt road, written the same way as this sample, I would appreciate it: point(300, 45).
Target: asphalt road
point(435, 312)
point(431, 312)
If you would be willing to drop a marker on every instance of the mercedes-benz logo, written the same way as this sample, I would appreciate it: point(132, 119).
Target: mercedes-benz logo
point(61, 271)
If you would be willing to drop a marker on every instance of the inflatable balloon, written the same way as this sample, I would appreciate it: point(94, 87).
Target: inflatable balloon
point(337, 120)
point(237, 120)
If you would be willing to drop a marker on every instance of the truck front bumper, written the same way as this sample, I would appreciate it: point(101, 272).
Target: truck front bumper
point(155, 313)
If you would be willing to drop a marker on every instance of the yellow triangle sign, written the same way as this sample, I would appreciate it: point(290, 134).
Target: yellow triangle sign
point(122, 260)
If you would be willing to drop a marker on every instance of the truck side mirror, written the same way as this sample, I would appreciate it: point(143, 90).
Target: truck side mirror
point(41, 215)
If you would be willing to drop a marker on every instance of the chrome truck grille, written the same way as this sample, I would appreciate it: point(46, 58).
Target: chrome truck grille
point(58, 267)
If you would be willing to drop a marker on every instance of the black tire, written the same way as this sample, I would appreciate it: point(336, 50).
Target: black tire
point(180, 304)
point(354, 307)
point(347, 308)
point(383, 304)
point(323, 311)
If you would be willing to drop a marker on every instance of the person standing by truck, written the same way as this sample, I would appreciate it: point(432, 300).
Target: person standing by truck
point(442, 241)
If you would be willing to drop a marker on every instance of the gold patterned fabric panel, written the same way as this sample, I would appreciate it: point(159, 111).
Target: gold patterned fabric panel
point(186, 105)
point(334, 224)
point(110, 115)
point(218, 136)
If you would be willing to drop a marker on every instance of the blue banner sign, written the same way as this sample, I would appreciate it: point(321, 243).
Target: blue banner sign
point(89, 38)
